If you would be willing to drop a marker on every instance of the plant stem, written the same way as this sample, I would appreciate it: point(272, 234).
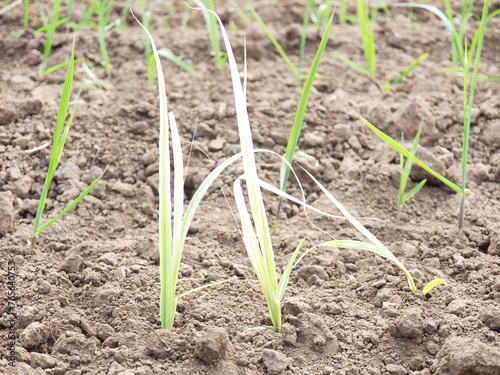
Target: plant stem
point(275, 226)
point(461, 215)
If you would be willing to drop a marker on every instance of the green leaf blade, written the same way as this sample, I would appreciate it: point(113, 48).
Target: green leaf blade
point(170, 56)
point(301, 110)
point(414, 191)
point(431, 285)
point(273, 41)
point(367, 36)
point(410, 68)
point(73, 203)
point(395, 145)
point(351, 64)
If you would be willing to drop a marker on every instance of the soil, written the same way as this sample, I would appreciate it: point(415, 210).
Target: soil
point(88, 293)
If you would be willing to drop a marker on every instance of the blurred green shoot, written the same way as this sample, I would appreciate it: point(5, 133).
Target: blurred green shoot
point(213, 32)
point(369, 49)
point(123, 19)
point(405, 170)
point(103, 9)
point(176, 60)
point(26, 13)
point(50, 29)
point(273, 40)
point(60, 136)
point(343, 11)
point(343, 17)
point(84, 22)
point(43, 15)
point(299, 118)
point(69, 10)
point(468, 104)
point(240, 11)
point(93, 81)
point(318, 15)
point(458, 34)
point(367, 36)
point(303, 35)
point(146, 15)
point(185, 15)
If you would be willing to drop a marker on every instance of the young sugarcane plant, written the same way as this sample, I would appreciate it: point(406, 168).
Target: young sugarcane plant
point(213, 32)
point(370, 53)
point(468, 101)
point(319, 17)
point(173, 221)
point(299, 118)
point(103, 9)
point(255, 229)
point(274, 42)
point(460, 56)
point(60, 135)
point(50, 29)
point(405, 170)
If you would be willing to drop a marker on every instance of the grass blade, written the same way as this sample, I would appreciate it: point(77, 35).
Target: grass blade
point(56, 150)
point(50, 36)
point(204, 287)
point(382, 250)
point(168, 278)
point(274, 42)
point(410, 68)
point(468, 109)
point(73, 203)
point(26, 13)
point(406, 169)
point(103, 10)
point(367, 36)
point(457, 45)
point(258, 255)
point(303, 34)
point(413, 191)
point(170, 56)
point(286, 273)
point(356, 68)
point(351, 64)
point(240, 11)
point(43, 15)
point(178, 198)
point(213, 31)
point(300, 114)
point(185, 15)
point(45, 28)
point(57, 67)
point(433, 284)
point(396, 146)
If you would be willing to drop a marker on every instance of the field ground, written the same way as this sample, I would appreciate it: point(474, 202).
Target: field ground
point(88, 294)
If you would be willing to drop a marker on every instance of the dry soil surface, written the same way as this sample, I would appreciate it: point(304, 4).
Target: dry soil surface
point(87, 296)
